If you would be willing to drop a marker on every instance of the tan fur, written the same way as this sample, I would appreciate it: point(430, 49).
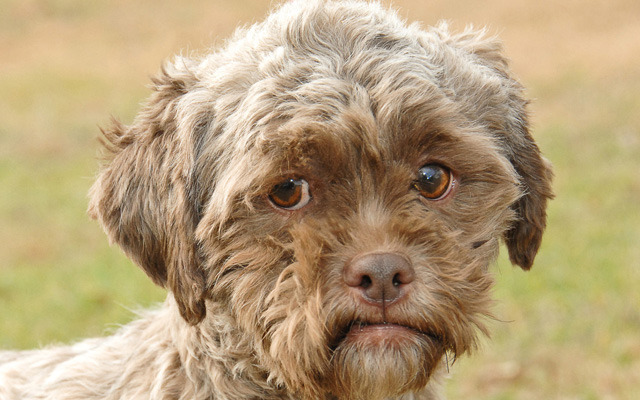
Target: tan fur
point(348, 97)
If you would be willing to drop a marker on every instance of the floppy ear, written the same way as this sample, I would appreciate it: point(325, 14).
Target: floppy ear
point(497, 99)
point(524, 238)
point(144, 195)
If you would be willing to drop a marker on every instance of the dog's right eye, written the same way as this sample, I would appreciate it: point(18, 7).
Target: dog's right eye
point(434, 181)
point(291, 194)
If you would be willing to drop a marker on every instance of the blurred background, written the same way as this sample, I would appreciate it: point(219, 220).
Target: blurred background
point(568, 329)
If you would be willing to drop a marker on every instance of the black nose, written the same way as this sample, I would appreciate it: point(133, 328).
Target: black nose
point(380, 278)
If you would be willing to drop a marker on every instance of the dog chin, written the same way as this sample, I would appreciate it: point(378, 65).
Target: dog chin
point(379, 361)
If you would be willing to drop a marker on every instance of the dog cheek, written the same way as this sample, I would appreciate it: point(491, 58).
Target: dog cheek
point(452, 290)
point(295, 339)
point(294, 315)
point(274, 297)
point(455, 299)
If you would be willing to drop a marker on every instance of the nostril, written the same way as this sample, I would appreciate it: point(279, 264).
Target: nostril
point(396, 280)
point(366, 282)
point(403, 276)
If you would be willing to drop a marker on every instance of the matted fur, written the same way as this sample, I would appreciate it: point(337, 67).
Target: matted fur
point(349, 98)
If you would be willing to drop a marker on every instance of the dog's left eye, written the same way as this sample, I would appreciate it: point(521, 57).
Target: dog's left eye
point(433, 182)
point(291, 194)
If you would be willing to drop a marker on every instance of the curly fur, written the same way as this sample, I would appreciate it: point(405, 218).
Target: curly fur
point(355, 101)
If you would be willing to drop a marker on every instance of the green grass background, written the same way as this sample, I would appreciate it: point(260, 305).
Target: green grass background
point(569, 329)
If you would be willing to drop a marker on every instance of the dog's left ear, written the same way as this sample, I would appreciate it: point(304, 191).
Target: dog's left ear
point(524, 237)
point(144, 195)
point(497, 99)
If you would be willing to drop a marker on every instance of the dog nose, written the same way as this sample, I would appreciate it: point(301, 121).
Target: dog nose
point(380, 278)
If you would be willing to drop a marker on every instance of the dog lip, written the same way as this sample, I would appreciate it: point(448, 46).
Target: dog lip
point(381, 329)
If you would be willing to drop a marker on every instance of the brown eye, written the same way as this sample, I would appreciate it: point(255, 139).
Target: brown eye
point(433, 182)
point(290, 194)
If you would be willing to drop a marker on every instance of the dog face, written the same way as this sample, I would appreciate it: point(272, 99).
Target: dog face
point(337, 184)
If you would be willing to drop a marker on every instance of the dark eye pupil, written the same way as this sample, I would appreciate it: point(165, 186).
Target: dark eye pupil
point(430, 177)
point(433, 181)
point(287, 193)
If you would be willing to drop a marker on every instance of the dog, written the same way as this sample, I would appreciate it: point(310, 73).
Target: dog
point(322, 197)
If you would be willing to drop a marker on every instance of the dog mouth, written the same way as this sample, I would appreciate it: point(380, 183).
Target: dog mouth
point(374, 334)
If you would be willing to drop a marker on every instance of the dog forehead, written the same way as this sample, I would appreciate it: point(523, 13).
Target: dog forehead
point(317, 52)
point(336, 119)
point(338, 123)
point(333, 82)
point(335, 75)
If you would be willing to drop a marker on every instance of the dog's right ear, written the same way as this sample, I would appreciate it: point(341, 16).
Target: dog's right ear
point(144, 195)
